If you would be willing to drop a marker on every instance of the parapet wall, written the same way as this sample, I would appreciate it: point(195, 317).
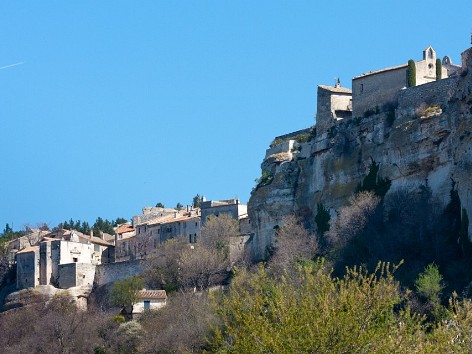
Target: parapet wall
point(437, 92)
point(110, 272)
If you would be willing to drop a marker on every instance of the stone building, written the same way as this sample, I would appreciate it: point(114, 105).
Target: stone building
point(334, 103)
point(375, 89)
point(232, 207)
point(149, 300)
point(51, 261)
point(125, 236)
point(27, 267)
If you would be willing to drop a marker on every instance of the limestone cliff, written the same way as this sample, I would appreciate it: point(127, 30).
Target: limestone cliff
point(426, 138)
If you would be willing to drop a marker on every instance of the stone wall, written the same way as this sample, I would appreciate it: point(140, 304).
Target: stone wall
point(437, 92)
point(284, 147)
point(27, 271)
point(110, 272)
point(376, 90)
point(76, 274)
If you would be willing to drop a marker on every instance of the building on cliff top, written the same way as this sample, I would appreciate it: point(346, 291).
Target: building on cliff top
point(376, 90)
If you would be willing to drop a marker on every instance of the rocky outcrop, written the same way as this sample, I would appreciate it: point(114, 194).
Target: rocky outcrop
point(425, 140)
point(44, 293)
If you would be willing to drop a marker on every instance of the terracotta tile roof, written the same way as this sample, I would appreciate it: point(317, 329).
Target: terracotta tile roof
point(152, 294)
point(335, 89)
point(168, 219)
point(124, 228)
point(183, 218)
point(28, 249)
point(125, 237)
point(381, 71)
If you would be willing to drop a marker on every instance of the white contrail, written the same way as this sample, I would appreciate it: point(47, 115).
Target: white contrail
point(11, 65)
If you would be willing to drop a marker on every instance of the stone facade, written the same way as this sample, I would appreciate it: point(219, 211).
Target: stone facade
point(149, 300)
point(110, 272)
point(232, 207)
point(76, 274)
point(27, 268)
point(375, 89)
point(334, 103)
point(51, 258)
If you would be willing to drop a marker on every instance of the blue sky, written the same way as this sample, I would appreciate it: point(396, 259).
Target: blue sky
point(116, 105)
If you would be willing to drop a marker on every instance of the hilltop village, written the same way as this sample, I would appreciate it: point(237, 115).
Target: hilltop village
point(69, 259)
point(375, 121)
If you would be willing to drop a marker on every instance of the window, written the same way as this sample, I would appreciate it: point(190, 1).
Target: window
point(75, 259)
point(147, 304)
point(362, 88)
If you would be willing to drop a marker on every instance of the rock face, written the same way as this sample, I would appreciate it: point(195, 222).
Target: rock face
point(426, 139)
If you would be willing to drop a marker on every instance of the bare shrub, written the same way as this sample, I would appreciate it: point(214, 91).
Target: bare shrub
point(181, 326)
point(352, 219)
point(293, 243)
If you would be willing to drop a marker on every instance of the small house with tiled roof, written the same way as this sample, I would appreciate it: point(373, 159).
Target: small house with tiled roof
point(149, 300)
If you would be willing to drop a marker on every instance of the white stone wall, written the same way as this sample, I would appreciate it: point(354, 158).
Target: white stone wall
point(426, 71)
point(155, 304)
point(340, 103)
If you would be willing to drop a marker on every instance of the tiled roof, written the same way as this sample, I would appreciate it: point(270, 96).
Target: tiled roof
point(152, 294)
point(381, 71)
point(29, 249)
point(124, 228)
point(125, 237)
point(168, 219)
point(335, 89)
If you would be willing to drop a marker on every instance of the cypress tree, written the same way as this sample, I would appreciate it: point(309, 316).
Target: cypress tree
point(411, 73)
point(438, 69)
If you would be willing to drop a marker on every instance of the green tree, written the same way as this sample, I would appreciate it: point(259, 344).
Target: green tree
point(159, 205)
point(411, 73)
point(196, 201)
point(359, 313)
point(179, 206)
point(322, 219)
point(101, 225)
point(373, 182)
point(429, 286)
point(438, 69)
point(124, 292)
point(464, 232)
point(119, 221)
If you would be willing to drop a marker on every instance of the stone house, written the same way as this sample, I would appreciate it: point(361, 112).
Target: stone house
point(27, 267)
point(152, 233)
point(376, 90)
point(232, 207)
point(149, 300)
point(63, 261)
point(334, 103)
point(124, 242)
point(381, 87)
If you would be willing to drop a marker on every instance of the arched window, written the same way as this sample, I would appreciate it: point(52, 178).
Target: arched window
point(430, 53)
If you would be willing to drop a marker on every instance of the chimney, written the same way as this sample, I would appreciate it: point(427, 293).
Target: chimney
point(91, 234)
point(102, 236)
